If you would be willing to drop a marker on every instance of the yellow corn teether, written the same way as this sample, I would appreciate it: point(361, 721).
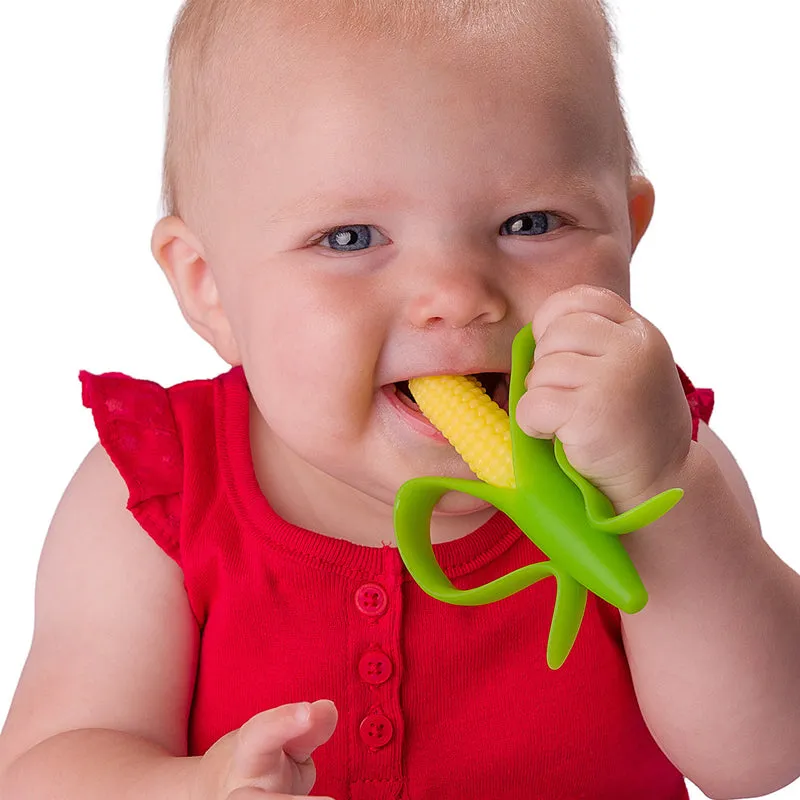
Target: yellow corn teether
point(531, 481)
point(471, 421)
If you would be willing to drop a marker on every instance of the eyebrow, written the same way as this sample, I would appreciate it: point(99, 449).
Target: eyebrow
point(571, 185)
point(323, 203)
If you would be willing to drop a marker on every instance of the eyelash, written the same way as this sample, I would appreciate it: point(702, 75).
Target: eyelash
point(322, 235)
point(560, 217)
point(331, 231)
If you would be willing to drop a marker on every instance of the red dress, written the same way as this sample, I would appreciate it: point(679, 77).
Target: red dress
point(436, 702)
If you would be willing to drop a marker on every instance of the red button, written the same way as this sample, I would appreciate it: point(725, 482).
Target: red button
point(375, 667)
point(376, 730)
point(371, 599)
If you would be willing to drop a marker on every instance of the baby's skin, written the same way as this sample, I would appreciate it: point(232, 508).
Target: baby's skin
point(268, 756)
point(403, 209)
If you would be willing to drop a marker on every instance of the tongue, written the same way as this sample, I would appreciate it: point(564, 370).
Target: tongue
point(404, 393)
point(500, 395)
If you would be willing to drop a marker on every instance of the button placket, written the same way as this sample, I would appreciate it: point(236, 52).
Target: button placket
point(376, 722)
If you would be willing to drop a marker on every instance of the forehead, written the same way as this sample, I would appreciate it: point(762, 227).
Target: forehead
point(275, 42)
point(298, 92)
point(268, 38)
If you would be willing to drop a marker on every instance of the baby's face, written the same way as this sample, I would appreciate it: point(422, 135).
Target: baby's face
point(388, 211)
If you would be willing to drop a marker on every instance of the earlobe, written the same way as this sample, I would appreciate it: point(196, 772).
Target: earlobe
point(180, 255)
point(641, 202)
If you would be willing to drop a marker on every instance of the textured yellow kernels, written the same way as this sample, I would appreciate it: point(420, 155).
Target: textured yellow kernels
point(471, 421)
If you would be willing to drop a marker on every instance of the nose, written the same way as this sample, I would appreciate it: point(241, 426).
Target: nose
point(455, 290)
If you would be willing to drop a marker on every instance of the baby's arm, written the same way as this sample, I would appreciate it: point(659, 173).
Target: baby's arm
point(102, 705)
point(714, 655)
point(112, 656)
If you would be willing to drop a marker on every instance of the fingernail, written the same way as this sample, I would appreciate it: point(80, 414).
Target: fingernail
point(302, 712)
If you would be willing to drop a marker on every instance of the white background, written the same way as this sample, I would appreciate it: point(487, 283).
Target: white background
point(711, 91)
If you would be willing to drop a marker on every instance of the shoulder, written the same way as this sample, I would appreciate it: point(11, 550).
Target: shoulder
point(150, 433)
point(701, 405)
point(117, 399)
point(730, 470)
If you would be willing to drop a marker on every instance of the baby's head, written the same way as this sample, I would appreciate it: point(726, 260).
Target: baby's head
point(360, 191)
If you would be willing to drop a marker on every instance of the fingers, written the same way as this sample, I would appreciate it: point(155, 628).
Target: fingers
point(583, 332)
point(581, 299)
point(321, 725)
point(576, 330)
point(261, 740)
point(545, 411)
point(560, 371)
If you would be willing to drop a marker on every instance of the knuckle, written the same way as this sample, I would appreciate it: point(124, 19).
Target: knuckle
point(529, 378)
point(582, 289)
point(587, 291)
point(640, 328)
point(593, 320)
point(550, 402)
point(554, 368)
point(537, 410)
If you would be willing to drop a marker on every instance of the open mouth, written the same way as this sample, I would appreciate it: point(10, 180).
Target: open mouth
point(494, 383)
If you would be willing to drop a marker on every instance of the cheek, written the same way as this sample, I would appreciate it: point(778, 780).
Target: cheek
point(285, 318)
point(613, 259)
point(605, 261)
point(310, 352)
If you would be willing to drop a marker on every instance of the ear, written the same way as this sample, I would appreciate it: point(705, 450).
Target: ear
point(641, 201)
point(180, 254)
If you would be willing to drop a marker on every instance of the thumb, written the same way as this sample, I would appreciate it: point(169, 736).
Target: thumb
point(262, 739)
point(322, 723)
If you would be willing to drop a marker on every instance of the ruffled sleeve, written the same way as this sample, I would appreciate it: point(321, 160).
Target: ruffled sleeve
point(137, 429)
point(701, 402)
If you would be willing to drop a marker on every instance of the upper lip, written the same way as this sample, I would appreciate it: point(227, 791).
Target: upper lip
point(471, 369)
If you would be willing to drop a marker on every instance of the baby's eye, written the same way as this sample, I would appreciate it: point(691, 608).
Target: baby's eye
point(531, 223)
point(351, 237)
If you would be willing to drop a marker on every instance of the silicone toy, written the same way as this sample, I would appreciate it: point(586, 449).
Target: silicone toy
point(568, 518)
point(471, 421)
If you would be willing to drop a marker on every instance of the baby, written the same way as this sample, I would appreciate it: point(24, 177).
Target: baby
point(360, 192)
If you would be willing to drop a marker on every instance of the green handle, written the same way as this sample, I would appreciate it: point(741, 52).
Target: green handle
point(568, 518)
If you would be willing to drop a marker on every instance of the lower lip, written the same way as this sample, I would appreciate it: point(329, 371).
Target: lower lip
point(417, 422)
point(414, 419)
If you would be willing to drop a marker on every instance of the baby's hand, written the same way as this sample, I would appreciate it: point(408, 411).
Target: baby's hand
point(604, 382)
point(269, 757)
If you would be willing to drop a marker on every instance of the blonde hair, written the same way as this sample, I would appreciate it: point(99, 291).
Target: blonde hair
point(201, 24)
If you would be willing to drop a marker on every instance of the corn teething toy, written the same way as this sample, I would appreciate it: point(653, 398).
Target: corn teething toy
point(531, 481)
